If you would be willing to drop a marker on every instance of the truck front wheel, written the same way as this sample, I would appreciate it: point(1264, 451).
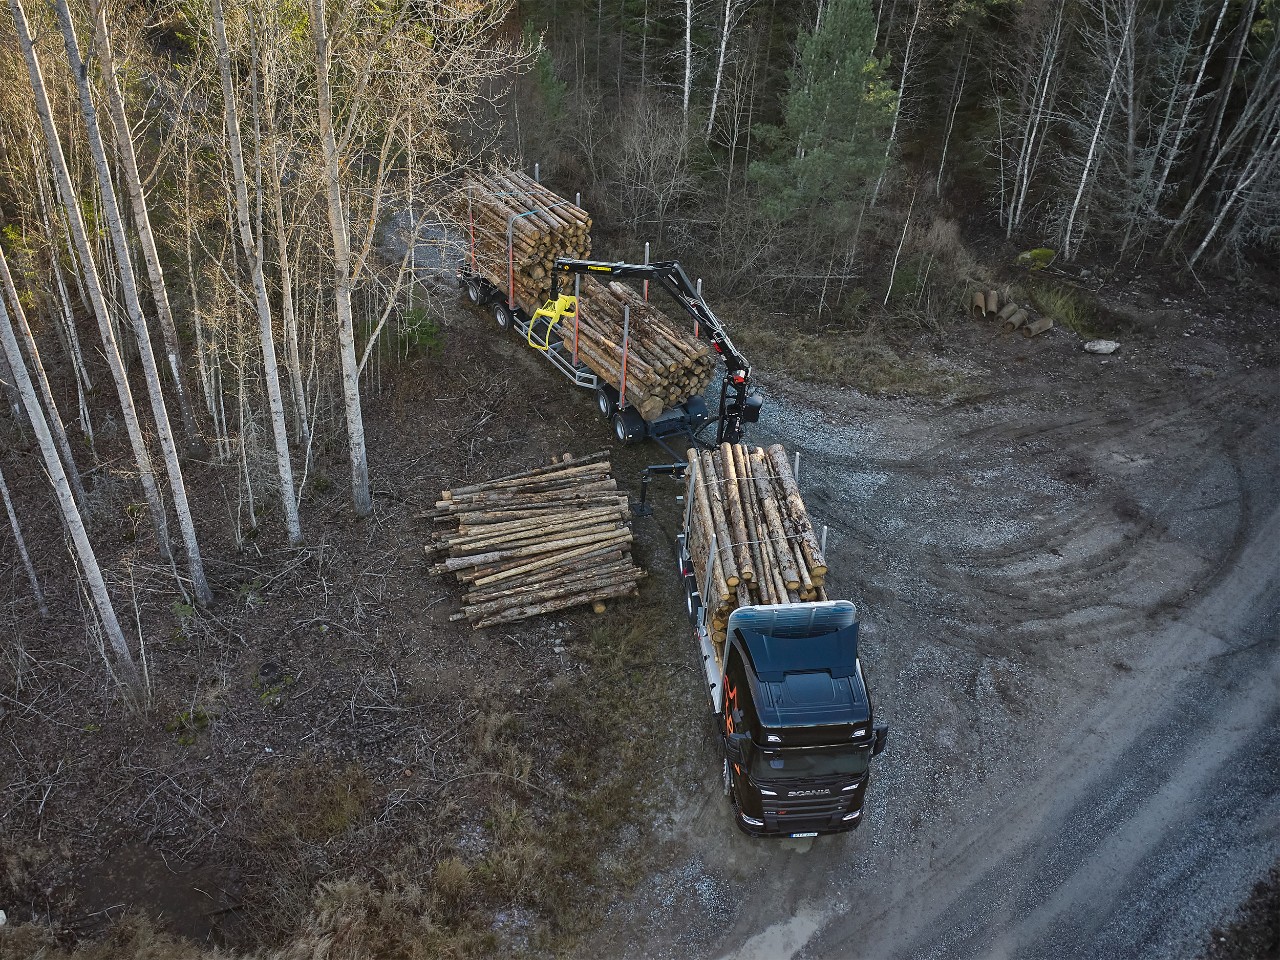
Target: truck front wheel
point(473, 291)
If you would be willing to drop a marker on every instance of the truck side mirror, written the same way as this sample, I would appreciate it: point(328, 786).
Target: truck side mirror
point(881, 734)
point(737, 747)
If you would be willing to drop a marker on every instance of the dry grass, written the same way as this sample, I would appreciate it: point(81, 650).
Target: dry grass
point(864, 360)
point(556, 793)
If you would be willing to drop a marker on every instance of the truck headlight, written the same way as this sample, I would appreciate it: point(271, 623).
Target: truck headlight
point(852, 816)
point(751, 821)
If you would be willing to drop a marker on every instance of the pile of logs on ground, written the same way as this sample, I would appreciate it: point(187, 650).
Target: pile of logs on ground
point(986, 305)
point(666, 363)
point(543, 226)
point(766, 551)
point(536, 542)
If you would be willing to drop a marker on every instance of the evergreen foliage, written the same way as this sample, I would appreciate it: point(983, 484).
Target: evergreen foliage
point(830, 148)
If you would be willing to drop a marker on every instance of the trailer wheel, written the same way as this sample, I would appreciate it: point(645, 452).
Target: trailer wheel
point(628, 426)
point(473, 291)
point(692, 601)
point(604, 403)
point(503, 316)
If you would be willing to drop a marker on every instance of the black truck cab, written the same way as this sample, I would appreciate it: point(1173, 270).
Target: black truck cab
point(797, 719)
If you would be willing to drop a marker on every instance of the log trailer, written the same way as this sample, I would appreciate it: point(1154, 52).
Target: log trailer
point(787, 689)
point(552, 330)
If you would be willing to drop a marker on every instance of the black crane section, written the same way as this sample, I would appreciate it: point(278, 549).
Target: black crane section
point(739, 402)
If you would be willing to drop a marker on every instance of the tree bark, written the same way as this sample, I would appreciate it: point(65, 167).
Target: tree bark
point(141, 217)
point(125, 664)
point(129, 290)
point(253, 253)
point(22, 548)
point(92, 283)
point(341, 269)
point(42, 379)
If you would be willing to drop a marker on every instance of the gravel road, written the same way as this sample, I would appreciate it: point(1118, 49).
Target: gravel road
point(1069, 579)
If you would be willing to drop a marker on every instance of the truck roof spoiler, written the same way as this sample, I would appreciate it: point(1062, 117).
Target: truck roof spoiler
point(795, 619)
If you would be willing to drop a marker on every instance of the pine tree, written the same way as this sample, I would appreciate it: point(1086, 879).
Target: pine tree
point(827, 154)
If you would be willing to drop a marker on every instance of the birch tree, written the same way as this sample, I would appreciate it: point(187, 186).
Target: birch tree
point(21, 543)
point(90, 278)
point(253, 252)
point(133, 308)
point(361, 494)
point(42, 380)
point(125, 667)
point(128, 162)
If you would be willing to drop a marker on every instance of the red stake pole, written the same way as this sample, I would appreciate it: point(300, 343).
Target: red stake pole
point(646, 263)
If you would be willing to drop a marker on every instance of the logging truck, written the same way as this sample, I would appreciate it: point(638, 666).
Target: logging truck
point(780, 659)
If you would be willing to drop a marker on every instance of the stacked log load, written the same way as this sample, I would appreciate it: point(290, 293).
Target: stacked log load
point(545, 226)
point(766, 550)
point(536, 542)
point(666, 363)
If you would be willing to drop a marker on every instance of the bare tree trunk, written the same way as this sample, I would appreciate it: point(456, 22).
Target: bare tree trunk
point(897, 110)
point(42, 380)
point(1263, 158)
point(1189, 102)
point(1067, 246)
point(133, 306)
point(725, 29)
point(22, 548)
point(91, 281)
point(253, 251)
point(688, 57)
point(342, 268)
point(141, 218)
point(66, 502)
point(951, 115)
point(292, 356)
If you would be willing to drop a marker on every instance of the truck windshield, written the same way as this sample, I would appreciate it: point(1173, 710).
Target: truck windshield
point(809, 762)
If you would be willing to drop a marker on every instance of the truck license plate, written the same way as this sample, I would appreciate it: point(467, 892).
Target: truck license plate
point(795, 836)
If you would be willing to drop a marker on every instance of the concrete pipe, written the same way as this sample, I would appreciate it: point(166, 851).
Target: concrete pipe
point(1015, 321)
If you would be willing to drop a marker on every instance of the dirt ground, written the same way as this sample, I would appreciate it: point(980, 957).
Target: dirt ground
point(1066, 570)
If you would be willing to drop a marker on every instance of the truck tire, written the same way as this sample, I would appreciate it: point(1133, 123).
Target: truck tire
point(604, 403)
point(473, 291)
point(503, 315)
point(628, 426)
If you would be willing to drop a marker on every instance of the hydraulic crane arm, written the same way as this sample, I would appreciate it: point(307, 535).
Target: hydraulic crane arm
point(739, 404)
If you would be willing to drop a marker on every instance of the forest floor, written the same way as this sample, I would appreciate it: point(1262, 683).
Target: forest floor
point(1065, 566)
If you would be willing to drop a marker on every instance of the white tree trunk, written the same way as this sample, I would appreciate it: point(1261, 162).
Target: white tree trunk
point(22, 548)
point(1068, 246)
point(125, 664)
point(725, 28)
point(92, 284)
point(1264, 158)
point(253, 251)
point(688, 57)
point(1188, 103)
point(951, 115)
point(133, 306)
point(341, 268)
point(138, 206)
point(42, 380)
point(897, 110)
